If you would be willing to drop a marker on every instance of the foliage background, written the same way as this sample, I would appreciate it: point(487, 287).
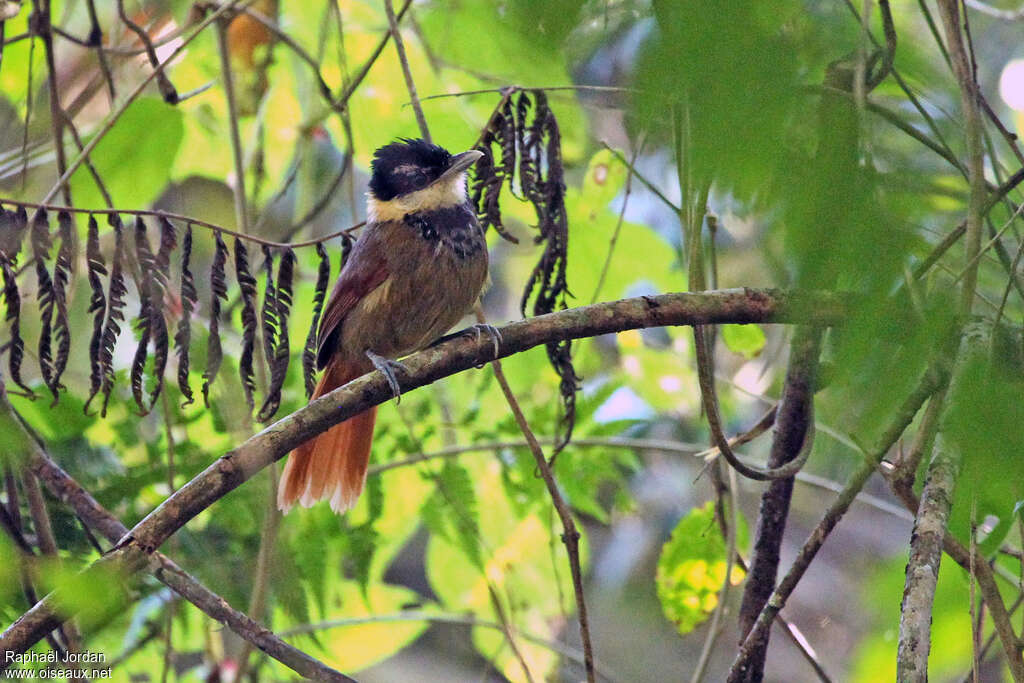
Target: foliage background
point(450, 538)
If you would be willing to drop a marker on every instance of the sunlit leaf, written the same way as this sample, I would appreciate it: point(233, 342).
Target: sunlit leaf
point(692, 567)
point(746, 340)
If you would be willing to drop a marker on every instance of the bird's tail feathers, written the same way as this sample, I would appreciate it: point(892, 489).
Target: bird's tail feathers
point(332, 465)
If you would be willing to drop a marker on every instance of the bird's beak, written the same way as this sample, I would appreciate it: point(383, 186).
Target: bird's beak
point(461, 162)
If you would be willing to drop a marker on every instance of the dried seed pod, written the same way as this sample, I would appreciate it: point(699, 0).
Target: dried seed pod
point(96, 270)
point(116, 293)
point(219, 292)
point(323, 275)
point(183, 335)
point(14, 226)
point(247, 283)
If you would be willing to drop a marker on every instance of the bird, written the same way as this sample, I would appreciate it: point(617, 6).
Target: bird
point(418, 266)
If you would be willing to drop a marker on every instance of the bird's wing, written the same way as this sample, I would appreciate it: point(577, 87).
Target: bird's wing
point(364, 271)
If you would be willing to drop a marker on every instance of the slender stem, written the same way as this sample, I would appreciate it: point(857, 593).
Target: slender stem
point(618, 224)
point(396, 34)
point(96, 40)
point(238, 188)
point(163, 83)
point(570, 535)
point(42, 22)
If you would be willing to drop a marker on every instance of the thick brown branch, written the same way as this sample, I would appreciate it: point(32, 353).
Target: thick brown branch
point(455, 355)
point(794, 427)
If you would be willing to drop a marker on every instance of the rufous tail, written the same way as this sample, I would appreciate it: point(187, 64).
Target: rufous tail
point(331, 465)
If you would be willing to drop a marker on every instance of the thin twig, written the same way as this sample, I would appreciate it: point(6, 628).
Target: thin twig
point(410, 84)
point(1004, 14)
point(96, 40)
point(238, 188)
point(163, 83)
point(41, 25)
point(639, 176)
point(299, 51)
point(618, 224)
point(570, 535)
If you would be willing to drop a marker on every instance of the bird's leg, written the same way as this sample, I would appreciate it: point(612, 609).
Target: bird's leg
point(387, 368)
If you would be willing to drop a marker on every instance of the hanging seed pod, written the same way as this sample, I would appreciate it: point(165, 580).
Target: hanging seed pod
point(247, 283)
point(13, 225)
point(219, 289)
point(183, 335)
point(116, 293)
point(323, 274)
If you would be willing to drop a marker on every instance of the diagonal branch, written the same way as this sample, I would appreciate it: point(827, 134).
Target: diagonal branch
point(460, 353)
point(70, 492)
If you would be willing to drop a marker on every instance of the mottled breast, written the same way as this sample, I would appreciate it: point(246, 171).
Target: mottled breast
point(437, 265)
point(452, 229)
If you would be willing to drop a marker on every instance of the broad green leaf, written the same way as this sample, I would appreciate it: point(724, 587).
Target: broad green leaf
point(692, 566)
point(135, 157)
point(984, 423)
point(353, 648)
point(518, 565)
point(746, 340)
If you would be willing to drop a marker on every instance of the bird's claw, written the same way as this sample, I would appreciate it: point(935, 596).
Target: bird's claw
point(491, 331)
point(387, 368)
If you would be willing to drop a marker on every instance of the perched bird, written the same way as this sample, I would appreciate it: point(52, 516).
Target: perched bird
point(418, 266)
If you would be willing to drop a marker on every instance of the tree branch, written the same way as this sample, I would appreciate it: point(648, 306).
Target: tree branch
point(71, 493)
point(932, 379)
point(455, 355)
point(794, 429)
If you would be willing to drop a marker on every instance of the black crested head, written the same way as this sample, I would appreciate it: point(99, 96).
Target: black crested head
point(406, 166)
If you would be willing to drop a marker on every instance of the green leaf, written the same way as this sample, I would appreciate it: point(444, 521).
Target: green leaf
point(523, 560)
point(452, 512)
point(353, 648)
point(135, 158)
point(984, 423)
point(746, 340)
point(692, 567)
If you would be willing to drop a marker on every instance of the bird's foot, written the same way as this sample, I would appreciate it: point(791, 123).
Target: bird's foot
point(387, 368)
point(491, 331)
point(478, 330)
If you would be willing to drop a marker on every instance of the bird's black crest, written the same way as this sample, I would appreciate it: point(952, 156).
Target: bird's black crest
point(406, 166)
